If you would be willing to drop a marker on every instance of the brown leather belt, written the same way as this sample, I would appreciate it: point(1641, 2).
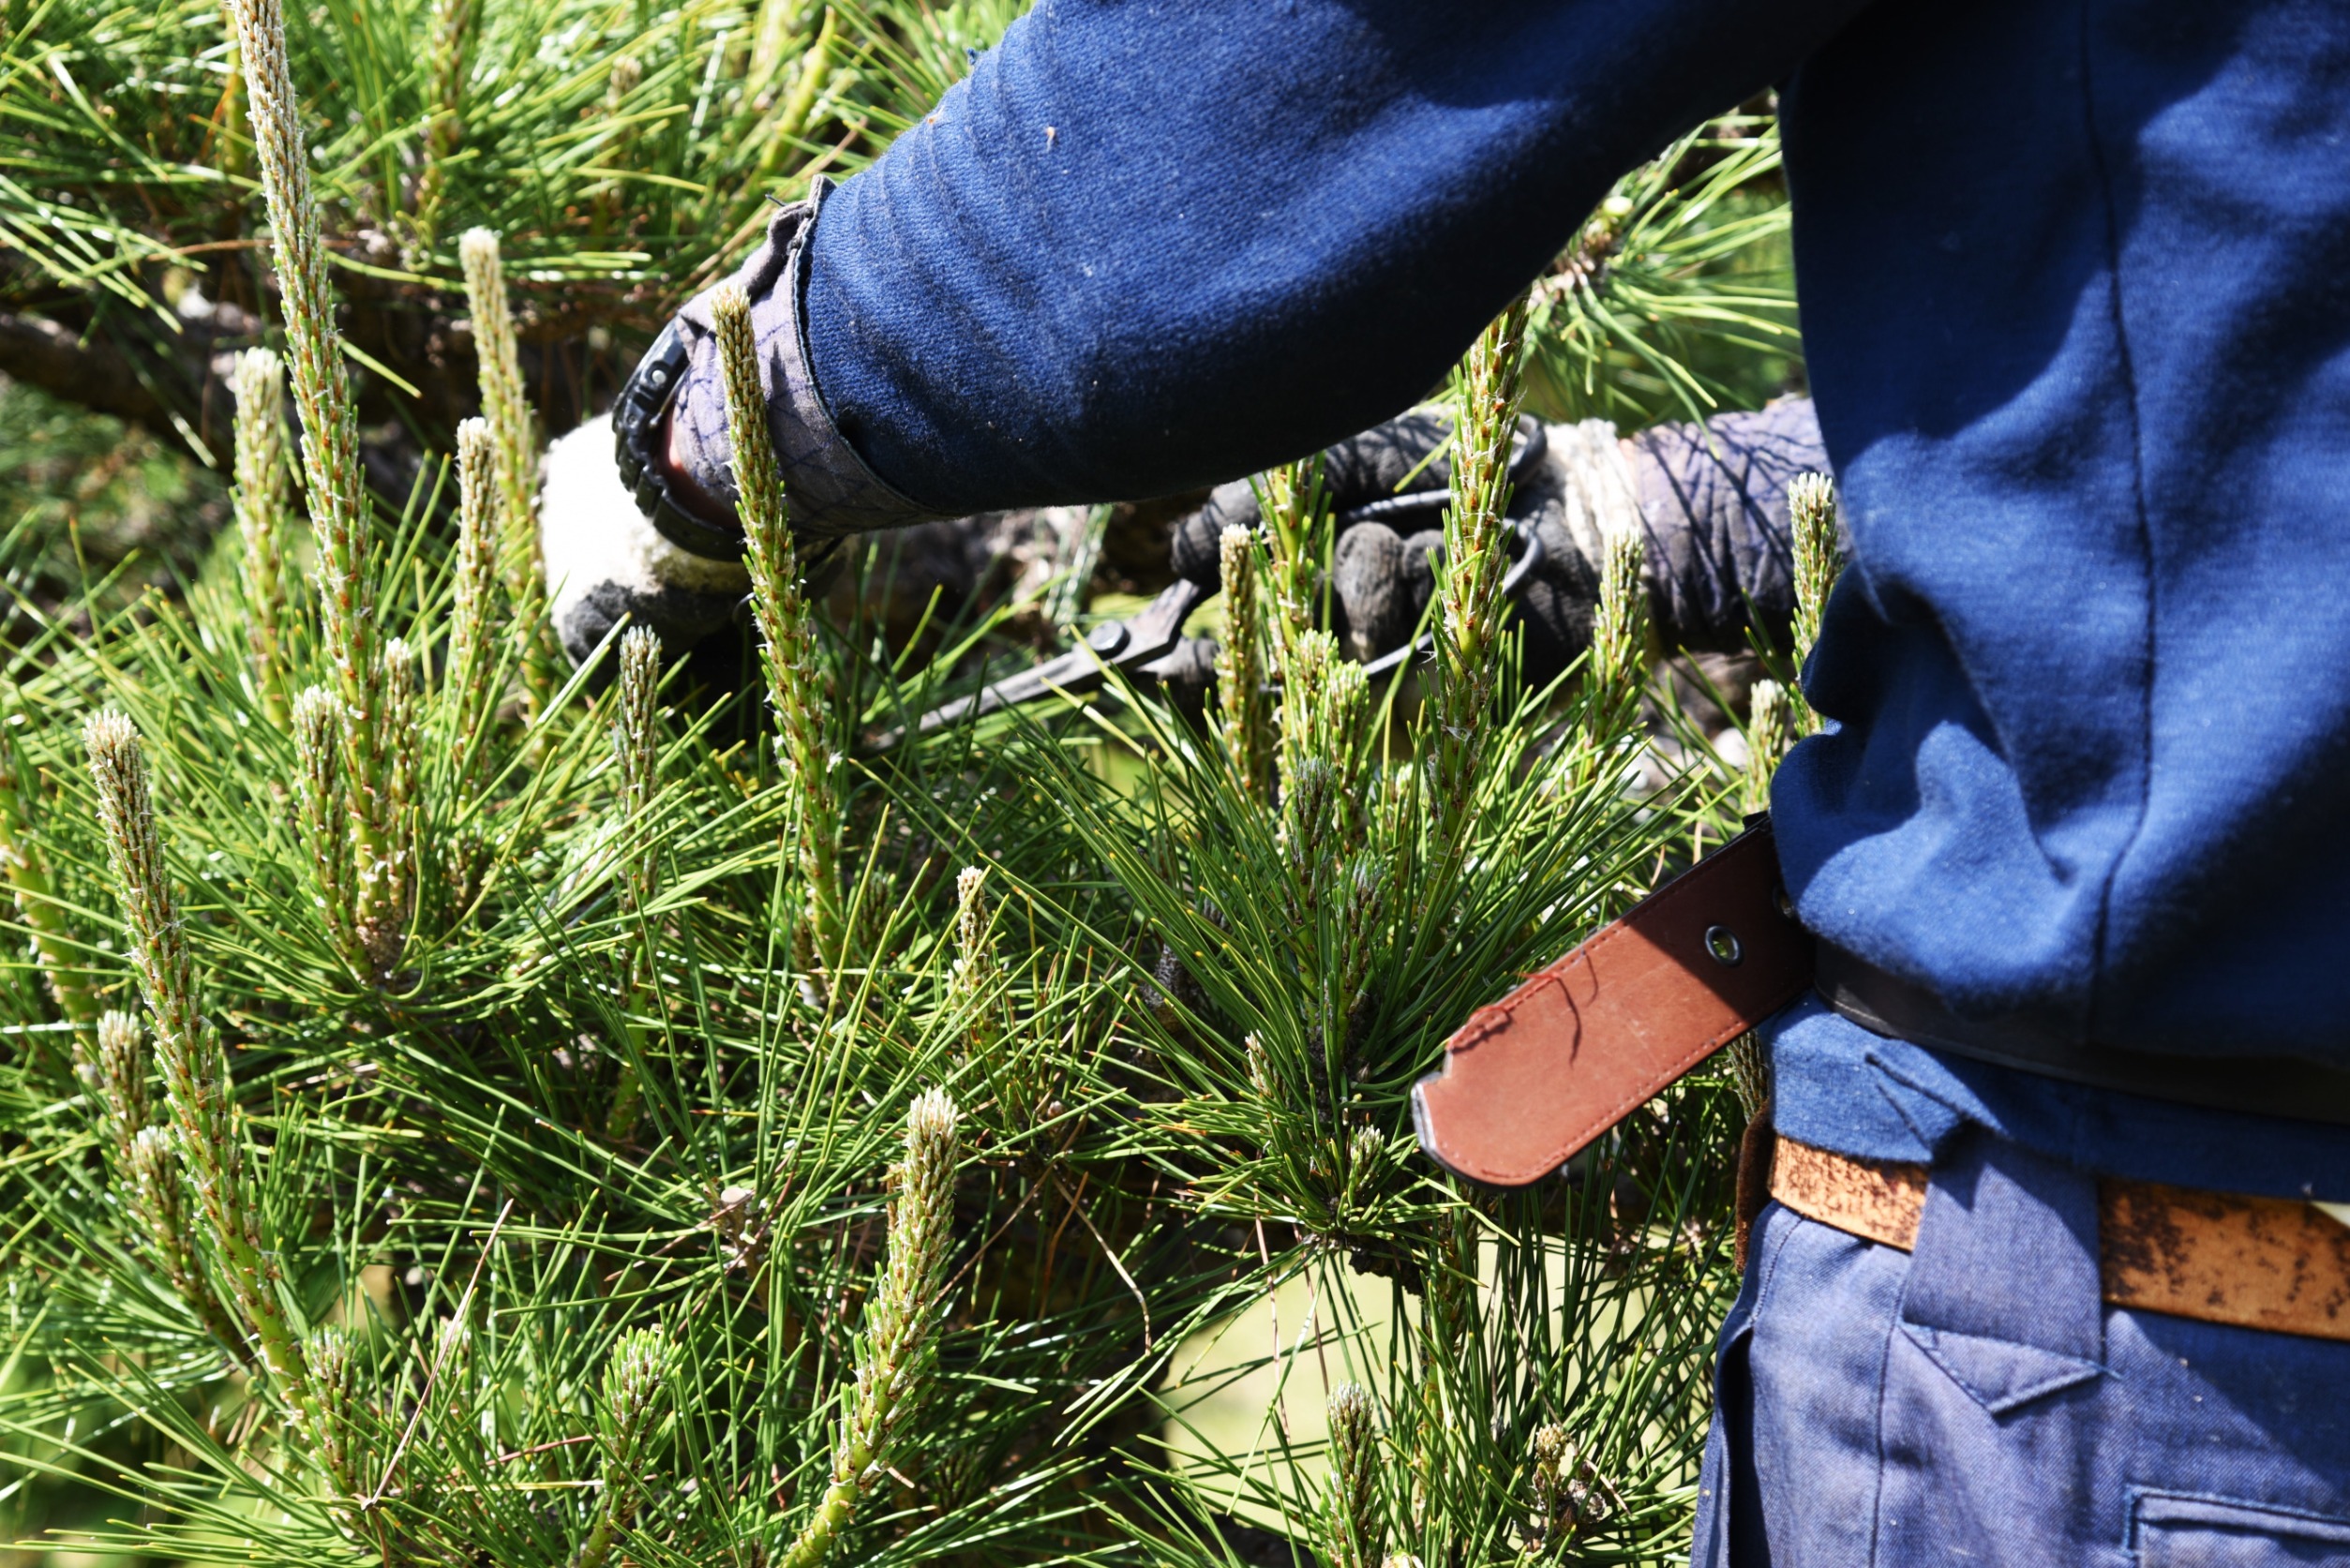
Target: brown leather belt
point(2253, 1263)
point(1532, 1079)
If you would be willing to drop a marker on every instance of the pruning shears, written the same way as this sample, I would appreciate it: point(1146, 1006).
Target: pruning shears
point(1141, 643)
point(1133, 646)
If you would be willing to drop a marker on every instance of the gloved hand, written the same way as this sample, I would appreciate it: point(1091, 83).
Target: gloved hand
point(1711, 500)
point(656, 537)
point(606, 560)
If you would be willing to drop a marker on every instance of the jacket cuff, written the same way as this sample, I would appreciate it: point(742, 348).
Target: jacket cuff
point(826, 486)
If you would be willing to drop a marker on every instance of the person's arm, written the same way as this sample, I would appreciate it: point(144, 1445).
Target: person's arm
point(1144, 248)
point(1147, 247)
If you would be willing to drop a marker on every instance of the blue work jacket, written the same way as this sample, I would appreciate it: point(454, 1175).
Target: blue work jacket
point(2075, 290)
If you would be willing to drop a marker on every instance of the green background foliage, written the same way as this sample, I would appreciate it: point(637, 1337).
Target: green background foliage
point(436, 1154)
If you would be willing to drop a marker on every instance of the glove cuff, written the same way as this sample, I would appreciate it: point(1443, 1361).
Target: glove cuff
point(640, 417)
point(830, 491)
point(1599, 492)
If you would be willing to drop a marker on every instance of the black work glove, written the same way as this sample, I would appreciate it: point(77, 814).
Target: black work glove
point(1710, 502)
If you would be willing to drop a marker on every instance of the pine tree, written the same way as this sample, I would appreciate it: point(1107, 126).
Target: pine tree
point(467, 1110)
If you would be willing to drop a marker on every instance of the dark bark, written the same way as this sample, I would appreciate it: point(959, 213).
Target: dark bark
point(144, 366)
point(98, 373)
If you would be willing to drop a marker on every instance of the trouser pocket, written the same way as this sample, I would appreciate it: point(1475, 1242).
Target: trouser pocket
point(2170, 1529)
point(2002, 1291)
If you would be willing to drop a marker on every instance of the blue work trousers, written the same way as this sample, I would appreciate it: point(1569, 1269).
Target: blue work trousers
point(1975, 1401)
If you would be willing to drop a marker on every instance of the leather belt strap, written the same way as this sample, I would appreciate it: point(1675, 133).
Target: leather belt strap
point(1886, 1004)
point(1531, 1080)
point(2253, 1262)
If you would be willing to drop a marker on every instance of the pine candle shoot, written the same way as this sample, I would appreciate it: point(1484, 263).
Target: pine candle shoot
point(973, 978)
point(1619, 634)
point(895, 1345)
point(636, 754)
point(259, 496)
point(1297, 525)
point(335, 1420)
point(637, 749)
point(798, 685)
point(147, 1167)
point(1307, 769)
point(387, 888)
point(113, 1073)
point(450, 26)
point(1477, 557)
point(635, 1394)
point(1356, 1512)
point(1811, 505)
point(212, 1137)
point(333, 483)
point(974, 970)
point(507, 409)
point(1242, 668)
point(470, 693)
point(1326, 703)
point(318, 788)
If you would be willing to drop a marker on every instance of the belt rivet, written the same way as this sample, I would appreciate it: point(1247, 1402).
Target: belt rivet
point(1722, 943)
point(1784, 904)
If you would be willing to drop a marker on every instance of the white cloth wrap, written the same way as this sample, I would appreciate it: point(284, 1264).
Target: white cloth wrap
point(1596, 482)
point(604, 559)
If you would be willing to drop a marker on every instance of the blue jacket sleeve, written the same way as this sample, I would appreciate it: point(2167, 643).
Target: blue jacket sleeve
point(1146, 247)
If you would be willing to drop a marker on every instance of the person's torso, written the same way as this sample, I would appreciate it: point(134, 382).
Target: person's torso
point(2076, 298)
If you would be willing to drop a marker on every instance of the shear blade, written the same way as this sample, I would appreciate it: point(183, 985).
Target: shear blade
point(1128, 645)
